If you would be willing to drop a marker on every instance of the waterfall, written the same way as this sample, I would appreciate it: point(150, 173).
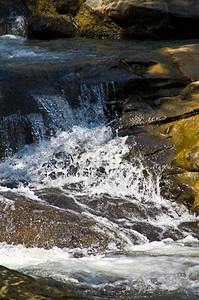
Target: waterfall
point(87, 162)
point(77, 207)
point(55, 114)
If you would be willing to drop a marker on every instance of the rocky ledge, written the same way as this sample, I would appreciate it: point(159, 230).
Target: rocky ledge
point(102, 18)
point(163, 117)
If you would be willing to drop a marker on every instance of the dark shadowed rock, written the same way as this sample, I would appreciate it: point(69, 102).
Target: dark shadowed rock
point(50, 28)
point(67, 6)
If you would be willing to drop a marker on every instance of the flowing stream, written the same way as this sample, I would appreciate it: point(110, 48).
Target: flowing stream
point(151, 249)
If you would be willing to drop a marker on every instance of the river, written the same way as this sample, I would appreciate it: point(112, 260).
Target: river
point(152, 247)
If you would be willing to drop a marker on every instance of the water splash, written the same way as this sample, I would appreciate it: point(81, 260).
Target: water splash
point(161, 268)
point(54, 114)
point(18, 26)
point(89, 166)
point(123, 201)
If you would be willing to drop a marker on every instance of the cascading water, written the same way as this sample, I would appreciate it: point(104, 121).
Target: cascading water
point(18, 25)
point(147, 245)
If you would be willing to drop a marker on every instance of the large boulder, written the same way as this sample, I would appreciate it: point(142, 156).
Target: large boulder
point(155, 96)
point(157, 103)
point(151, 19)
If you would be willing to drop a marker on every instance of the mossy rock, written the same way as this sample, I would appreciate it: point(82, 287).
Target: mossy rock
point(92, 24)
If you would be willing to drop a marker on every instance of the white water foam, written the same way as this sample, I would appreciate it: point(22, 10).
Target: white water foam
point(11, 37)
point(88, 157)
point(94, 161)
point(90, 163)
point(18, 26)
point(166, 265)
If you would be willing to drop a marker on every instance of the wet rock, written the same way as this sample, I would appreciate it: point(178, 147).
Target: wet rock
point(155, 104)
point(164, 129)
point(39, 224)
point(27, 95)
point(15, 285)
point(96, 223)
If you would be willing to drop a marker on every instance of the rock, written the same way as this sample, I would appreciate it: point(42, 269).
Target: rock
point(164, 129)
point(39, 224)
point(67, 6)
point(23, 117)
point(61, 221)
point(15, 285)
point(157, 108)
point(111, 19)
point(151, 19)
point(158, 111)
point(155, 95)
point(50, 28)
point(96, 25)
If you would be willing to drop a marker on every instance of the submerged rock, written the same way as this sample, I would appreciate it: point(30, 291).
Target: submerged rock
point(62, 221)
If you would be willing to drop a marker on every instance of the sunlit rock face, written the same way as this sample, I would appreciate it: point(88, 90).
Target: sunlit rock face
point(166, 128)
point(98, 19)
point(151, 19)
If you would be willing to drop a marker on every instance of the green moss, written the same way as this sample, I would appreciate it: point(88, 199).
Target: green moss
point(183, 133)
point(86, 19)
point(83, 16)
